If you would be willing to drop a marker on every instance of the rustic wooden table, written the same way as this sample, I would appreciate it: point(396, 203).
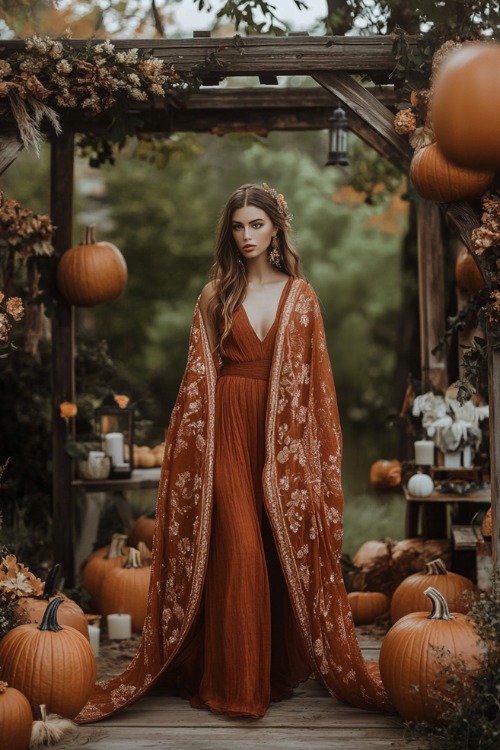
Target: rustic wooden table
point(433, 510)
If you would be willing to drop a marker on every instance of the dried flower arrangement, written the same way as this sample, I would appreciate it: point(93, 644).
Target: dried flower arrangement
point(50, 75)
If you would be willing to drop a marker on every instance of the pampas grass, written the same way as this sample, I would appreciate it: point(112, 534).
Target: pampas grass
point(50, 730)
point(29, 113)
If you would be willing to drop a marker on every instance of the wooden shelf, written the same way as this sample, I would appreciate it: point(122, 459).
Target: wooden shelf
point(141, 479)
point(480, 496)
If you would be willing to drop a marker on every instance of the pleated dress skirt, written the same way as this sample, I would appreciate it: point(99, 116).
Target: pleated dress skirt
point(251, 650)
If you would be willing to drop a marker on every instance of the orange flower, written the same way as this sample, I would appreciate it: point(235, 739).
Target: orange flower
point(68, 409)
point(122, 401)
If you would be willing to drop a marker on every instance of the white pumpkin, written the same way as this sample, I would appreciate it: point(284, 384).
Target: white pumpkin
point(420, 485)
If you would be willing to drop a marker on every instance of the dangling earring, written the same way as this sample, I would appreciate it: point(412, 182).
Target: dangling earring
point(274, 256)
point(241, 263)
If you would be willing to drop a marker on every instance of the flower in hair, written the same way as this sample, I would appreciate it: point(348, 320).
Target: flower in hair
point(282, 204)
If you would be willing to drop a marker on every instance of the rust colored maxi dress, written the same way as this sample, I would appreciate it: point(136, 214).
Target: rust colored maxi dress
point(252, 649)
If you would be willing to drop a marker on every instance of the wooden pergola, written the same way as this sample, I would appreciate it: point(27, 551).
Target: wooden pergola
point(331, 62)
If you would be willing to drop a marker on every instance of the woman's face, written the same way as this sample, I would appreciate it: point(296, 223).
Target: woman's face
point(252, 230)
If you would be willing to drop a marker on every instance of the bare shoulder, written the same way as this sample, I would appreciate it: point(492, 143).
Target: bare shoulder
point(207, 293)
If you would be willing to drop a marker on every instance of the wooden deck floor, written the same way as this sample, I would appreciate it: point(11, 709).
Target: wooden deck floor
point(311, 720)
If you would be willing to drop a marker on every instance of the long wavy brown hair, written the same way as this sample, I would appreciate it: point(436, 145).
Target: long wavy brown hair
point(229, 272)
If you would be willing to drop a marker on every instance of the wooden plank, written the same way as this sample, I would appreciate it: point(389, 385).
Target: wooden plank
point(63, 352)
point(244, 56)
point(368, 117)
point(494, 431)
point(141, 479)
point(222, 738)
point(431, 295)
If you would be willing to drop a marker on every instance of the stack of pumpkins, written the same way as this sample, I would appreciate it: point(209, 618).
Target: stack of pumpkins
point(465, 120)
point(429, 657)
point(46, 661)
point(117, 578)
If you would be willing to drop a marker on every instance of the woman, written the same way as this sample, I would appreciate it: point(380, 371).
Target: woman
point(246, 596)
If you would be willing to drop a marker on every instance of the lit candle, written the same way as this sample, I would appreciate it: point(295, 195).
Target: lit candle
point(424, 452)
point(94, 636)
point(114, 447)
point(119, 626)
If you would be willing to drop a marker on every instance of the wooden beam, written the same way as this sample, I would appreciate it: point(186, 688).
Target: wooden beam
point(431, 295)
point(494, 431)
point(245, 56)
point(63, 381)
point(368, 118)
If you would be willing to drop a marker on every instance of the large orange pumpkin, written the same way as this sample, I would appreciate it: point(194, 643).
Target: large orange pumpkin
point(99, 563)
point(92, 272)
point(410, 594)
point(467, 274)
point(49, 664)
point(32, 608)
point(418, 661)
point(437, 179)
point(125, 590)
point(16, 719)
point(465, 111)
point(367, 605)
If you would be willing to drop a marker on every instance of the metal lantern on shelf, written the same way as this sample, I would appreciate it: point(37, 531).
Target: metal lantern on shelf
point(115, 425)
point(338, 144)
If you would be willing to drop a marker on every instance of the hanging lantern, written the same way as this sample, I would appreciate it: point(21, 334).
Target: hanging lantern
point(339, 127)
point(115, 423)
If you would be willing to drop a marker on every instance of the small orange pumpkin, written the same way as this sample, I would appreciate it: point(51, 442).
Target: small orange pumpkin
point(32, 608)
point(142, 531)
point(100, 562)
point(16, 719)
point(49, 664)
point(367, 605)
point(92, 272)
point(410, 594)
point(385, 475)
point(418, 655)
point(437, 179)
point(467, 274)
point(125, 590)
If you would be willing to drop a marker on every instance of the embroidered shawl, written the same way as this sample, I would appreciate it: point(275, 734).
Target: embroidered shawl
point(304, 502)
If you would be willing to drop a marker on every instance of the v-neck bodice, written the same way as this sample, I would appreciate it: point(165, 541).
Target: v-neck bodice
point(243, 344)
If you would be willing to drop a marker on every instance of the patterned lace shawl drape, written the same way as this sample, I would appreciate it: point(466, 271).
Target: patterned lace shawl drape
point(304, 502)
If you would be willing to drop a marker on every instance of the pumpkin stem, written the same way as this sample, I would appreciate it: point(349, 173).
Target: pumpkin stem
point(133, 559)
point(435, 568)
point(3, 687)
point(88, 236)
point(49, 590)
point(116, 546)
point(49, 621)
point(440, 609)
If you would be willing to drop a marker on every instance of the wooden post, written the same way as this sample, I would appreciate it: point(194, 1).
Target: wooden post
point(431, 295)
point(63, 381)
point(494, 401)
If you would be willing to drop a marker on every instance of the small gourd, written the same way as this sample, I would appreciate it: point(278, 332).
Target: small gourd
point(385, 474)
point(418, 654)
point(367, 605)
point(420, 485)
point(16, 719)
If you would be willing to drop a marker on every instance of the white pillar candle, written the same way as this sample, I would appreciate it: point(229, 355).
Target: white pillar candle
point(424, 452)
point(114, 447)
point(94, 637)
point(119, 626)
